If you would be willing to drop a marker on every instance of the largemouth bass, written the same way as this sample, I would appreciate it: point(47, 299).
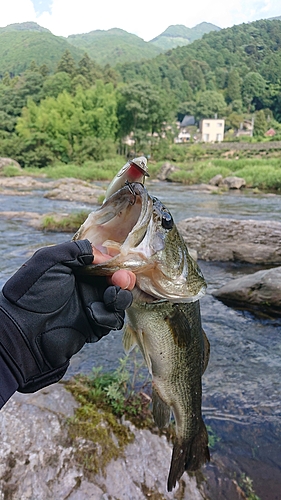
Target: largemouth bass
point(164, 320)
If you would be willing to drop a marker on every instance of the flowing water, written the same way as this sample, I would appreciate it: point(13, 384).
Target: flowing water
point(241, 386)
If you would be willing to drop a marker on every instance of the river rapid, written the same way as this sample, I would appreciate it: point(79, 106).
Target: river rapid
point(241, 386)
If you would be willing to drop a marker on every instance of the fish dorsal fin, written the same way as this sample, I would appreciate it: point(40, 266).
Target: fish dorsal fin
point(161, 411)
point(129, 339)
point(206, 353)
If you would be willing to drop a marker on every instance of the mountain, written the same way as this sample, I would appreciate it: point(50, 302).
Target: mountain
point(28, 26)
point(20, 44)
point(179, 35)
point(114, 46)
point(235, 61)
point(278, 18)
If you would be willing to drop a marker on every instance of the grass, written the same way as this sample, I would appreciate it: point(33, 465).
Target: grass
point(263, 173)
point(104, 398)
point(89, 171)
point(67, 224)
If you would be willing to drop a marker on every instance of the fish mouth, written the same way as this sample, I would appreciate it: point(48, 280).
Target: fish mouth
point(126, 227)
point(117, 228)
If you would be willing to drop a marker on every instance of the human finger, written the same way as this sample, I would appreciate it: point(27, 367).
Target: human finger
point(124, 279)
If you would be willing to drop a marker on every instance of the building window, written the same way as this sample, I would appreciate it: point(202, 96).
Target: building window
point(219, 124)
point(219, 137)
point(206, 137)
point(207, 124)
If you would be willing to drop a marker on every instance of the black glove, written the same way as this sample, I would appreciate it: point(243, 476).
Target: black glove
point(47, 313)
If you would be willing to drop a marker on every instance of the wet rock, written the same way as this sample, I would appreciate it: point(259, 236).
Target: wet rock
point(166, 170)
point(37, 458)
point(217, 239)
point(234, 182)
point(258, 291)
point(216, 180)
point(75, 190)
point(21, 184)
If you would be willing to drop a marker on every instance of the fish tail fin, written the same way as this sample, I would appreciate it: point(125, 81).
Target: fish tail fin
point(188, 455)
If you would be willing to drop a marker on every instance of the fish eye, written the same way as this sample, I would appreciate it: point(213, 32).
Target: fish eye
point(167, 220)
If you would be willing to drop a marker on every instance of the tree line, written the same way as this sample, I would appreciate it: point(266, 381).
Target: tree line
point(82, 111)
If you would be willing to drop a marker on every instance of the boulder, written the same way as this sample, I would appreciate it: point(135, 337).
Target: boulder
point(233, 182)
point(218, 239)
point(4, 162)
point(166, 170)
point(216, 180)
point(260, 291)
point(38, 459)
point(75, 190)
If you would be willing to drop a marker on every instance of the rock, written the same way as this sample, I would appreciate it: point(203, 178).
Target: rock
point(75, 190)
point(233, 182)
point(4, 162)
point(216, 181)
point(259, 291)
point(253, 241)
point(22, 183)
point(166, 170)
point(38, 461)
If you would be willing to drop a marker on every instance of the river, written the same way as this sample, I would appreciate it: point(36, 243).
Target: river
point(241, 386)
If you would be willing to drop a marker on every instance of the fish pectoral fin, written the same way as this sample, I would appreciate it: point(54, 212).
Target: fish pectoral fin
point(160, 410)
point(129, 339)
point(206, 354)
point(188, 455)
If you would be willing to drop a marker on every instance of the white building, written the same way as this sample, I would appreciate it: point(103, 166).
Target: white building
point(212, 130)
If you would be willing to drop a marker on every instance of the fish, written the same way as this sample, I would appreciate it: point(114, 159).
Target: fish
point(164, 320)
point(133, 171)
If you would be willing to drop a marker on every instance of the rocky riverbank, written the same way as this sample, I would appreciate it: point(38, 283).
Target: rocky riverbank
point(38, 458)
point(217, 239)
point(63, 189)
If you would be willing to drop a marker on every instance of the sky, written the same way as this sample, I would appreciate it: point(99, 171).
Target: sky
point(145, 18)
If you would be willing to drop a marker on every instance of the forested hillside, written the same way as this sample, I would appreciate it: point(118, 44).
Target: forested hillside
point(114, 45)
point(242, 65)
point(19, 47)
point(179, 35)
point(81, 110)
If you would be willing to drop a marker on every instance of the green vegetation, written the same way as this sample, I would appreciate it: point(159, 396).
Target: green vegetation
point(77, 111)
point(258, 173)
point(104, 398)
point(178, 35)
point(90, 170)
point(26, 46)
point(66, 224)
point(246, 484)
point(114, 45)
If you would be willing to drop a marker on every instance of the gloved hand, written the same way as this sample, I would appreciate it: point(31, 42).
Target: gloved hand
point(47, 313)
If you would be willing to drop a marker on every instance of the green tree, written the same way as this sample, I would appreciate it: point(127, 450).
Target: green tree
point(89, 69)
point(233, 90)
point(142, 109)
point(209, 104)
point(66, 64)
point(56, 84)
point(260, 123)
point(61, 125)
point(253, 89)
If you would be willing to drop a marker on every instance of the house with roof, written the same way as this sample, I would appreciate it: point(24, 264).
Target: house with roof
point(185, 127)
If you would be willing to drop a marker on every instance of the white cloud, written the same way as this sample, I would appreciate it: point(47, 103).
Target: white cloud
point(146, 19)
point(16, 11)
